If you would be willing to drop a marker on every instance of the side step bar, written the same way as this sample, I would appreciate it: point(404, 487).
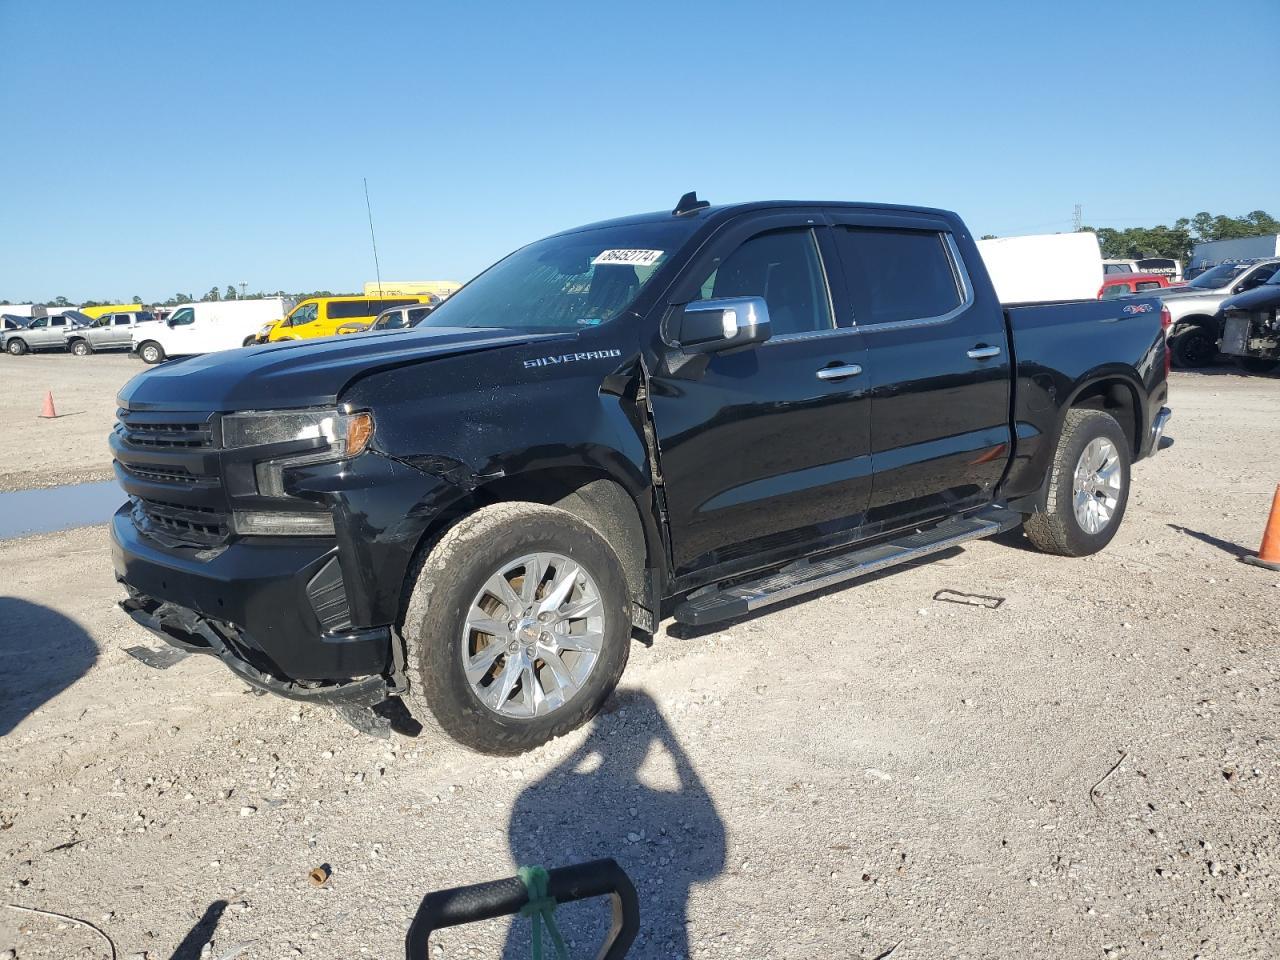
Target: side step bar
point(807, 576)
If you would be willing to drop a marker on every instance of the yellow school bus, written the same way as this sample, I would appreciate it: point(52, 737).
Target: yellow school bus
point(321, 316)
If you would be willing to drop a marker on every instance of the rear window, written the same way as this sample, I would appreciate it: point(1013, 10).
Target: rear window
point(897, 275)
point(346, 309)
point(1148, 285)
point(1114, 291)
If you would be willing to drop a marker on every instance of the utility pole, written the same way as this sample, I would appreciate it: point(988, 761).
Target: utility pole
point(1077, 218)
point(243, 284)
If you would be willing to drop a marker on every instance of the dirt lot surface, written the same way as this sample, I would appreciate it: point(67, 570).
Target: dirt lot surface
point(865, 769)
point(73, 447)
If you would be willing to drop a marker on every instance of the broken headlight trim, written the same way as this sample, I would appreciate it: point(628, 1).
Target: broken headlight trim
point(346, 435)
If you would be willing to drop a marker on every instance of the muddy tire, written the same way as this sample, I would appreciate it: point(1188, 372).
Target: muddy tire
point(81, 348)
point(1088, 487)
point(517, 629)
point(151, 352)
point(16, 346)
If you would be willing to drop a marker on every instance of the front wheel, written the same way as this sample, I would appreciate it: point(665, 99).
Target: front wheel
point(518, 628)
point(1257, 364)
point(1194, 347)
point(81, 348)
point(151, 352)
point(1088, 487)
point(16, 347)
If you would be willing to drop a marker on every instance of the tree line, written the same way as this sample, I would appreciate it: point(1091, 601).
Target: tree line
point(213, 295)
point(1135, 243)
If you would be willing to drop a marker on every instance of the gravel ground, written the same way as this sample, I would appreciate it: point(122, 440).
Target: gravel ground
point(73, 447)
point(866, 768)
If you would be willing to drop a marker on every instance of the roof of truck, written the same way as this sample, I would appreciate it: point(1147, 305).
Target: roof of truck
point(725, 211)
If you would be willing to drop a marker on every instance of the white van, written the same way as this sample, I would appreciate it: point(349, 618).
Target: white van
point(1046, 266)
point(207, 327)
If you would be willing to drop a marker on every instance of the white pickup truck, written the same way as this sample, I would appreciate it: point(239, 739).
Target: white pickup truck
point(207, 327)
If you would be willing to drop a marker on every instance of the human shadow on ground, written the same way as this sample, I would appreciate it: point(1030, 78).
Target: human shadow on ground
point(1224, 545)
point(42, 653)
point(631, 793)
point(201, 933)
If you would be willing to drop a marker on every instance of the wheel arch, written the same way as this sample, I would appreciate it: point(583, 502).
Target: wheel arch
point(607, 502)
point(1113, 394)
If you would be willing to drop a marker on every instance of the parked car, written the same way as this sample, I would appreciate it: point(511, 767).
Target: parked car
point(322, 316)
point(1196, 326)
point(206, 327)
point(666, 415)
point(397, 318)
point(1251, 327)
point(42, 333)
point(111, 331)
point(1117, 285)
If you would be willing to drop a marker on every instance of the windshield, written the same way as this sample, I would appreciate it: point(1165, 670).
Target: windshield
point(1219, 276)
point(567, 282)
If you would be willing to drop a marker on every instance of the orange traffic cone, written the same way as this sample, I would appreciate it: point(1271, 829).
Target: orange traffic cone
point(48, 412)
point(1269, 553)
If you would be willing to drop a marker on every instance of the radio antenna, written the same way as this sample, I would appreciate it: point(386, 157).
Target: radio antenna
point(372, 239)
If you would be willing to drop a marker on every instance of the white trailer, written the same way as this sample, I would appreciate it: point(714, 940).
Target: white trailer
point(1047, 266)
point(207, 327)
point(1210, 253)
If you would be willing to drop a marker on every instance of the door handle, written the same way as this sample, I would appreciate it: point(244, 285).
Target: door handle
point(983, 353)
point(839, 372)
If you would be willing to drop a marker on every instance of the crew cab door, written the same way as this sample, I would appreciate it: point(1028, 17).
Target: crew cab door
point(761, 453)
point(938, 366)
point(116, 332)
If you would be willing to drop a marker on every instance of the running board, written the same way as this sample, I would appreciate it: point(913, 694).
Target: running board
point(807, 576)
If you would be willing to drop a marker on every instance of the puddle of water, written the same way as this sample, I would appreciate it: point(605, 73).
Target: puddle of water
point(25, 512)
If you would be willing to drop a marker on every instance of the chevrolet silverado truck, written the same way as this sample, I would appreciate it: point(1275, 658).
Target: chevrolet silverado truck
point(692, 415)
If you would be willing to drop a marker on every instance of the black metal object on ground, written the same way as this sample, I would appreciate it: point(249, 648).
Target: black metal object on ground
point(500, 898)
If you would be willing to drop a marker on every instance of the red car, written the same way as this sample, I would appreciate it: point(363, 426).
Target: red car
point(1129, 284)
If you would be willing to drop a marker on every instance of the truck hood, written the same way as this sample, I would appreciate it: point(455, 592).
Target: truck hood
point(302, 373)
point(1259, 298)
point(1185, 293)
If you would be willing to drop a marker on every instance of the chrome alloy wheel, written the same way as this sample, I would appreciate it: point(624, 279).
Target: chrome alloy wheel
point(1096, 487)
point(533, 635)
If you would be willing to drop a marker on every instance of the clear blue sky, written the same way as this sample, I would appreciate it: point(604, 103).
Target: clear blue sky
point(156, 147)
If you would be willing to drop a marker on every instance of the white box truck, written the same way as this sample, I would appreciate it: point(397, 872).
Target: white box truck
point(207, 327)
point(1047, 266)
point(1210, 253)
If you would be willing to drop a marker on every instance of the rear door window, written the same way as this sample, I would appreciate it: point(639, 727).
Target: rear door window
point(122, 319)
point(347, 309)
point(897, 275)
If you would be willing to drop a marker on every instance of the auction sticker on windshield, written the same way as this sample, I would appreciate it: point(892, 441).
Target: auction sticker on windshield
point(632, 258)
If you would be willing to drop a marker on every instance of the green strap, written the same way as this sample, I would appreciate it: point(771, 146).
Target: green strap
point(541, 907)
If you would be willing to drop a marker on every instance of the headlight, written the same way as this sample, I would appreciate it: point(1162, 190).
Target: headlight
point(345, 435)
point(266, 328)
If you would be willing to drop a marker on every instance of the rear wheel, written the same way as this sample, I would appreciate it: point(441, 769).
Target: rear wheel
point(1194, 347)
point(16, 346)
point(1257, 364)
point(81, 348)
point(151, 352)
point(249, 341)
point(518, 628)
point(1088, 487)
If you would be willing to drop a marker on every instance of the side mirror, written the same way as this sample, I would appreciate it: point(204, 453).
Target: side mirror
point(714, 326)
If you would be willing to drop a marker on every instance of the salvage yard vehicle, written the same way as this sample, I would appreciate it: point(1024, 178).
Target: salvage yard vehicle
point(322, 316)
point(1118, 285)
point(42, 333)
point(206, 327)
point(693, 414)
point(397, 318)
point(1195, 324)
point(1251, 327)
point(111, 331)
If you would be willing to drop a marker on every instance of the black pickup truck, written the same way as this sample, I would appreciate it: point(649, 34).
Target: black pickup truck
point(691, 414)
